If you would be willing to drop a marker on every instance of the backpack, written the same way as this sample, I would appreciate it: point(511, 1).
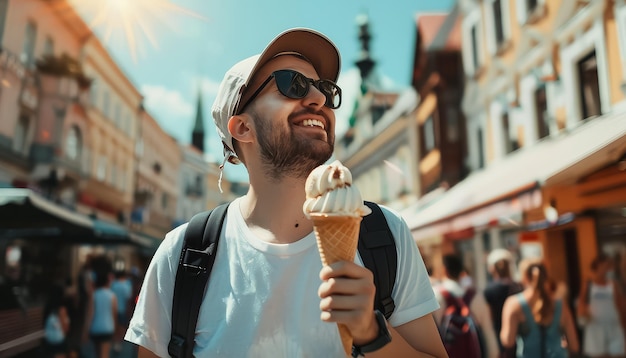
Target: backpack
point(459, 332)
point(377, 249)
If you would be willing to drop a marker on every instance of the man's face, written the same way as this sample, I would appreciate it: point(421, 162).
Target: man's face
point(294, 135)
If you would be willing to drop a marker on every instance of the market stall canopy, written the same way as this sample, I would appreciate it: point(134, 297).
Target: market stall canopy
point(28, 215)
point(509, 186)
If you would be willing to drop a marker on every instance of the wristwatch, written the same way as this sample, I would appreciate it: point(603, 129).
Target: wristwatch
point(380, 341)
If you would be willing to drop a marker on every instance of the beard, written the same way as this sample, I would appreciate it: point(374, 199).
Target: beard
point(286, 155)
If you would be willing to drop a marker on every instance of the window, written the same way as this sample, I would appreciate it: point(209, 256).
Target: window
point(498, 22)
point(589, 86)
point(21, 134)
point(452, 124)
point(510, 142)
point(429, 135)
point(481, 148)
point(48, 46)
point(475, 49)
point(472, 44)
point(541, 115)
point(122, 181)
point(101, 172)
point(164, 201)
point(4, 4)
point(531, 6)
point(117, 115)
point(73, 144)
point(93, 92)
point(113, 178)
point(28, 47)
point(139, 147)
point(105, 103)
point(529, 11)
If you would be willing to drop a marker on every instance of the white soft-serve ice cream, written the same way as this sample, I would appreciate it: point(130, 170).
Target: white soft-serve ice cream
point(336, 208)
point(329, 191)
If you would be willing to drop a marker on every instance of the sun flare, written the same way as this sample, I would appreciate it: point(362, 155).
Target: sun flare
point(136, 21)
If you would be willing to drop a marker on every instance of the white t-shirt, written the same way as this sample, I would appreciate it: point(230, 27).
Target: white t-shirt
point(261, 300)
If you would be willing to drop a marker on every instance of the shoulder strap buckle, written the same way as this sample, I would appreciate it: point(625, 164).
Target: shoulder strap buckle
point(388, 306)
point(177, 346)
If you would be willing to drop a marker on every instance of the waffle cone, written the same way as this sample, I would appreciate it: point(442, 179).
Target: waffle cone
point(337, 240)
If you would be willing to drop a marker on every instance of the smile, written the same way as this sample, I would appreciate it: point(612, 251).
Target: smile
point(312, 123)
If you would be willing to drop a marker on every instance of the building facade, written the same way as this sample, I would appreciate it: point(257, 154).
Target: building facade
point(546, 134)
point(379, 143)
point(158, 161)
point(78, 156)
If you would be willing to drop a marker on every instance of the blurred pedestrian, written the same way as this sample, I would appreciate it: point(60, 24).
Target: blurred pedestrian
point(500, 264)
point(56, 324)
point(122, 287)
point(103, 308)
point(85, 283)
point(602, 309)
point(537, 318)
point(451, 290)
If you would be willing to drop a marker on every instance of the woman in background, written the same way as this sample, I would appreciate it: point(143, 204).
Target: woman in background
point(538, 318)
point(602, 306)
point(103, 309)
point(56, 324)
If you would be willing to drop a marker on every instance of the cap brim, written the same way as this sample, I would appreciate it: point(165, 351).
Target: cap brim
point(314, 46)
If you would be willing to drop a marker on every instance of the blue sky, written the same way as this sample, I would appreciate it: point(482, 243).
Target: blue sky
point(190, 53)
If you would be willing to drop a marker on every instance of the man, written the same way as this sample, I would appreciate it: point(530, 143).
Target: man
point(268, 294)
point(500, 264)
point(478, 308)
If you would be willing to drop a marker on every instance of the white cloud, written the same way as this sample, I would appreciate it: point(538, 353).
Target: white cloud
point(209, 88)
point(171, 109)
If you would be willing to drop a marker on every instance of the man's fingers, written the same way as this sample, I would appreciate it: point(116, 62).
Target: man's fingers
point(345, 269)
point(344, 303)
point(346, 286)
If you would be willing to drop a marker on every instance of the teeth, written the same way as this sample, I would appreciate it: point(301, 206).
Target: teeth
point(313, 123)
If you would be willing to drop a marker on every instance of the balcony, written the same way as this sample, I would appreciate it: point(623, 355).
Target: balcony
point(11, 63)
point(10, 155)
point(194, 191)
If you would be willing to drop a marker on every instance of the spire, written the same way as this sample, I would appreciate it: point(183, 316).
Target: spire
point(365, 63)
point(197, 136)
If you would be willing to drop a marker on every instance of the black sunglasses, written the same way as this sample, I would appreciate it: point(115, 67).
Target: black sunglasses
point(294, 85)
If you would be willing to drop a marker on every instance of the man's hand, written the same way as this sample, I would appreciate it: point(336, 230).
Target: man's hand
point(347, 296)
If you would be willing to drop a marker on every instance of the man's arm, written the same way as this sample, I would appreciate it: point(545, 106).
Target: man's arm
point(347, 296)
point(510, 322)
point(145, 353)
point(569, 328)
point(418, 338)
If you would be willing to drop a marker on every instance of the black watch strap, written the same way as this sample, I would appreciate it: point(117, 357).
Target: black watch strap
point(380, 341)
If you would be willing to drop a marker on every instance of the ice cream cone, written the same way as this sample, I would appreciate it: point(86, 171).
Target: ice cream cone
point(337, 240)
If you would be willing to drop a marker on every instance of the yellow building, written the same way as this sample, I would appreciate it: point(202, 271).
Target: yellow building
point(158, 158)
point(546, 124)
point(112, 129)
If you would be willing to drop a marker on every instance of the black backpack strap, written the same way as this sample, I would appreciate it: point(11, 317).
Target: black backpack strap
point(377, 248)
point(194, 267)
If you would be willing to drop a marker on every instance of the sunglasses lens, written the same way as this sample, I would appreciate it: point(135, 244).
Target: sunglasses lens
point(332, 93)
point(295, 85)
point(291, 84)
